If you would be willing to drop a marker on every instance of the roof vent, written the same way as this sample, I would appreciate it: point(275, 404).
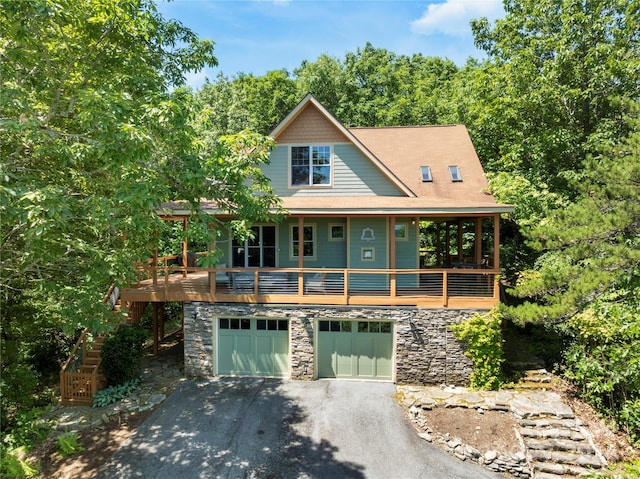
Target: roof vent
point(454, 171)
point(425, 172)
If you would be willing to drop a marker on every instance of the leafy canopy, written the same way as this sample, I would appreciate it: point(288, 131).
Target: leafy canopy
point(95, 134)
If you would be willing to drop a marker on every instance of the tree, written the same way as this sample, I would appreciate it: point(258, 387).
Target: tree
point(95, 134)
point(246, 102)
point(592, 246)
point(547, 94)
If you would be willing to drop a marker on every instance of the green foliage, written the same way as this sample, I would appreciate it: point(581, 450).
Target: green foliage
point(483, 337)
point(13, 464)
point(115, 393)
point(590, 244)
point(122, 353)
point(23, 429)
point(68, 444)
point(604, 359)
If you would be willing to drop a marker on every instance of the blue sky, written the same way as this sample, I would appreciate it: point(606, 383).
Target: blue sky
point(257, 36)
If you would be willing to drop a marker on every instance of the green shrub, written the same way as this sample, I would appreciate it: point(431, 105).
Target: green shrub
point(114, 393)
point(122, 353)
point(14, 465)
point(604, 357)
point(68, 444)
point(483, 337)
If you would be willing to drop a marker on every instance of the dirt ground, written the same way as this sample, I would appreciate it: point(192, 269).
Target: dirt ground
point(487, 431)
point(99, 444)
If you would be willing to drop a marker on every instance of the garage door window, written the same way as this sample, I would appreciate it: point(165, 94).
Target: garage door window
point(336, 326)
point(235, 323)
point(374, 327)
point(273, 325)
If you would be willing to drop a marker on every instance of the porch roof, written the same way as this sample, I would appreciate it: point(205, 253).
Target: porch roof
point(367, 205)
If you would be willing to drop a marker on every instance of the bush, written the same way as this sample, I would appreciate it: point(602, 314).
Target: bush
point(122, 353)
point(483, 337)
point(114, 393)
point(604, 358)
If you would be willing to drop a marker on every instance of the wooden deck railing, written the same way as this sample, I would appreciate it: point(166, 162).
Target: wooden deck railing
point(455, 287)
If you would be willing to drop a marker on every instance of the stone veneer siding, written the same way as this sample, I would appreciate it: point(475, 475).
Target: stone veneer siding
point(425, 350)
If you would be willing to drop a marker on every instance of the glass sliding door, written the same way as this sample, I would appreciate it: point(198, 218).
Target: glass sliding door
point(256, 252)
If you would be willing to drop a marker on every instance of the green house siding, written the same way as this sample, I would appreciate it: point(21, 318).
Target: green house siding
point(359, 247)
point(329, 253)
point(353, 175)
point(407, 254)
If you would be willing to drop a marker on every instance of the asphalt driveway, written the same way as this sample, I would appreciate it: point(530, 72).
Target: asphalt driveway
point(267, 428)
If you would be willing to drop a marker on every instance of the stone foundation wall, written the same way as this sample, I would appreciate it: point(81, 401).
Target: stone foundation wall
point(426, 351)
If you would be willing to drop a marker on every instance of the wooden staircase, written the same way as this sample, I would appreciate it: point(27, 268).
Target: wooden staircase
point(81, 376)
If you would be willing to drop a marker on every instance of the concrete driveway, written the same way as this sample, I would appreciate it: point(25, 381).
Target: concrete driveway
point(267, 428)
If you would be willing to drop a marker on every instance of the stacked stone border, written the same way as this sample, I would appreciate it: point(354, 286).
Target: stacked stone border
point(425, 350)
point(553, 443)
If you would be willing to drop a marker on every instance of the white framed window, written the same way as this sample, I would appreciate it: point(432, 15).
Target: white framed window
point(367, 253)
point(308, 242)
point(337, 232)
point(310, 166)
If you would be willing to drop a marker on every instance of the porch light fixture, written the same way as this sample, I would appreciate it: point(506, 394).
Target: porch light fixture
point(367, 234)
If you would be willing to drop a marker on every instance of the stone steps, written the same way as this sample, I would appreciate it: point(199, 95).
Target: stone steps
point(558, 447)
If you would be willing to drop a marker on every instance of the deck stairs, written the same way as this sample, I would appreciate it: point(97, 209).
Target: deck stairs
point(81, 375)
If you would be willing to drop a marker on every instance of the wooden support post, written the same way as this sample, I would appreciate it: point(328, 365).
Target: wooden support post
point(155, 329)
point(185, 244)
point(301, 254)
point(154, 271)
point(392, 255)
point(478, 242)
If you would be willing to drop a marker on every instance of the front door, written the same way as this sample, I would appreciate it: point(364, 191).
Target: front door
point(256, 252)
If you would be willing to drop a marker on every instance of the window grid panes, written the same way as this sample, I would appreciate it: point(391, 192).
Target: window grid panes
point(308, 241)
point(310, 165)
point(272, 325)
point(235, 323)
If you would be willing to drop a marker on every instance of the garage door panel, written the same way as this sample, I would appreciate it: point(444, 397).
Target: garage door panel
point(226, 346)
point(252, 351)
point(244, 357)
point(280, 355)
point(360, 349)
point(343, 347)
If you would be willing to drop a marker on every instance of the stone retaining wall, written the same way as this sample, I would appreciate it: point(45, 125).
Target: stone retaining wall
point(426, 351)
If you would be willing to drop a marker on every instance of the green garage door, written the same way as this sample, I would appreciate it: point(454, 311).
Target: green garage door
point(355, 349)
point(253, 347)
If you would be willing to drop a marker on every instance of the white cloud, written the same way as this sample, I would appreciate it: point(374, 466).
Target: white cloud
point(453, 16)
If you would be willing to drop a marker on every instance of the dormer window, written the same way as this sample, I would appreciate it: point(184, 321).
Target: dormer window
point(425, 173)
point(310, 165)
point(454, 171)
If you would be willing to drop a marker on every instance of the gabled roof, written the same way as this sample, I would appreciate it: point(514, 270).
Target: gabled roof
point(398, 152)
point(310, 101)
point(405, 149)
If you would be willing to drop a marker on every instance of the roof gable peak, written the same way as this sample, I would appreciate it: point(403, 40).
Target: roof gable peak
point(310, 100)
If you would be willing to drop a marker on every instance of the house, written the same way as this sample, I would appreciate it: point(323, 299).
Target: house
point(390, 237)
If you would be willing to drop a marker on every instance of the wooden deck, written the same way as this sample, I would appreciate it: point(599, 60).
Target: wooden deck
point(453, 288)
